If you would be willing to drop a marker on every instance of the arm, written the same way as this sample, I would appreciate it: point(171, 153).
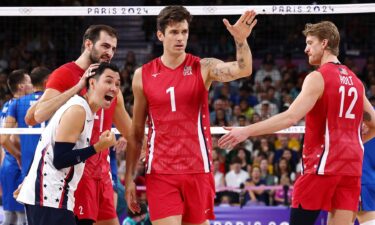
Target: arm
point(5, 140)
point(67, 133)
point(312, 89)
point(217, 70)
point(135, 140)
point(52, 99)
point(368, 119)
point(121, 118)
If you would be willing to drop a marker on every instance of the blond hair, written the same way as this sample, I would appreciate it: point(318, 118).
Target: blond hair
point(325, 30)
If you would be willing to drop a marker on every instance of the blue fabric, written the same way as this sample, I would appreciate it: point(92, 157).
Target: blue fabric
point(18, 110)
point(10, 173)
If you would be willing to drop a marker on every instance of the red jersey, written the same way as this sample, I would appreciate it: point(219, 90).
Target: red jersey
point(179, 138)
point(333, 144)
point(64, 78)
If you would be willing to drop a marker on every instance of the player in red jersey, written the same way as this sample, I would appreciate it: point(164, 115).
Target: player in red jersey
point(94, 201)
point(172, 91)
point(334, 102)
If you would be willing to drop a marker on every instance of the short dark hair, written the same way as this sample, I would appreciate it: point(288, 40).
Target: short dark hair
point(15, 78)
point(99, 71)
point(172, 14)
point(38, 75)
point(93, 33)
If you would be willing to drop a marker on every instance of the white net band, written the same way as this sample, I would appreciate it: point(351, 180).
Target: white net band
point(214, 130)
point(195, 10)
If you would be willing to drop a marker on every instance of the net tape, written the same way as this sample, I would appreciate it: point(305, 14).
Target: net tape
point(195, 10)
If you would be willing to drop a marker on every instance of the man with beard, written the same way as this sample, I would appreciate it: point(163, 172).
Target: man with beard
point(95, 190)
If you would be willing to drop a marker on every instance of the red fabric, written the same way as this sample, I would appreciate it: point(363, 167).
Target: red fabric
point(314, 192)
point(189, 195)
point(333, 143)
point(94, 199)
point(179, 140)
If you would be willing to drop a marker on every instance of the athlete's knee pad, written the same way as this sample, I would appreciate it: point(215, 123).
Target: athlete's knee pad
point(300, 216)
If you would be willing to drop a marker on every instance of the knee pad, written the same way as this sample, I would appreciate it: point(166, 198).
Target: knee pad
point(300, 216)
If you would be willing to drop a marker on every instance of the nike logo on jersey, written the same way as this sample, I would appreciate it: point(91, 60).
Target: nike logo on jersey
point(88, 121)
point(155, 74)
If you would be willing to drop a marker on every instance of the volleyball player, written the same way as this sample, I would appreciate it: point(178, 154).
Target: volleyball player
point(172, 90)
point(64, 146)
point(334, 103)
point(94, 195)
point(16, 116)
point(19, 83)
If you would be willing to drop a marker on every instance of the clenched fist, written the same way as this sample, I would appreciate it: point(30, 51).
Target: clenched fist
point(106, 140)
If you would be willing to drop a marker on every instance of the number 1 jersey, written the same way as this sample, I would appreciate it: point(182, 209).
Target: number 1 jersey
point(179, 138)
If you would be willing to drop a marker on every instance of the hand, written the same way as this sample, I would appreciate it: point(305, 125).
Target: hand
point(106, 140)
point(243, 27)
point(17, 191)
point(120, 144)
point(131, 197)
point(231, 139)
point(88, 73)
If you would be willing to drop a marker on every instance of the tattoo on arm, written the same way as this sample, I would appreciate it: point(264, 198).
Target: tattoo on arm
point(366, 116)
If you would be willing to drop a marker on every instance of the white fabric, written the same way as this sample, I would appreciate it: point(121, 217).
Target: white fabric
point(44, 181)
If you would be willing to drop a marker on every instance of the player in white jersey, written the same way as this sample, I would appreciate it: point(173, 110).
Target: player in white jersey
point(48, 189)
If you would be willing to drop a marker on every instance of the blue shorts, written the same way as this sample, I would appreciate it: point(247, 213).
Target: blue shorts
point(10, 177)
point(367, 202)
point(39, 215)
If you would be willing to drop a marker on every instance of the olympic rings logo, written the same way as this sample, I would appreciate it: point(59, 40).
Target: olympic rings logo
point(25, 11)
point(210, 9)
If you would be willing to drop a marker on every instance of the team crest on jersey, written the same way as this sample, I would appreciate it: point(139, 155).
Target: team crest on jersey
point(187, 71)
point(343, 71)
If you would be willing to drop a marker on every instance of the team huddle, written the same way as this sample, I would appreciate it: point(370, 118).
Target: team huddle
point(63, 176)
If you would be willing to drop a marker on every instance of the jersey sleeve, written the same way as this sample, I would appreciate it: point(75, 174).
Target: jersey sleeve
point(60, 80)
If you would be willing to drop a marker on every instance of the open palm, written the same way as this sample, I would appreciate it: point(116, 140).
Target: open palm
point(243, 27)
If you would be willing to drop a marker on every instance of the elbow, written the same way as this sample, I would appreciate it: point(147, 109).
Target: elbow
point(246, 72)
point(57, 164)
point(38, 118)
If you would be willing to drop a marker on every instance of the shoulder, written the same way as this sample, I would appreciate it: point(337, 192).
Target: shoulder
point(74, 113)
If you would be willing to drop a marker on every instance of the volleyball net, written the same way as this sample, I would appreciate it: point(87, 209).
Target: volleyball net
point(52, 36)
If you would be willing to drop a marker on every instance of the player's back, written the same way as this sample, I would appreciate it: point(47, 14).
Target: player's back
point(179, 139)
point(18, 110)
point(333, 143)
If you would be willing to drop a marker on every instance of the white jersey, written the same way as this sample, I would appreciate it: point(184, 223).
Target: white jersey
point(44, 185)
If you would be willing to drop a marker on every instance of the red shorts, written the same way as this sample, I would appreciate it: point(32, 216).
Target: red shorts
point(92, 195)
point(327, 192)
point(189, 195)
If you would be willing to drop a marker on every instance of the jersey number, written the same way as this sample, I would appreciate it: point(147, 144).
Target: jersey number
point(172, 97)
point(351, 92)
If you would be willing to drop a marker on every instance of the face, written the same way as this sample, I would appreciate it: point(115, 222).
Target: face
point(175, 37)
point(314, 49)
point(106, 88)
point(103, 49)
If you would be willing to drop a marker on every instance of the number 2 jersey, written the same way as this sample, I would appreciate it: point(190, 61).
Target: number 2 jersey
point(45, 185)
point(333, 142)
point(179, 138)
